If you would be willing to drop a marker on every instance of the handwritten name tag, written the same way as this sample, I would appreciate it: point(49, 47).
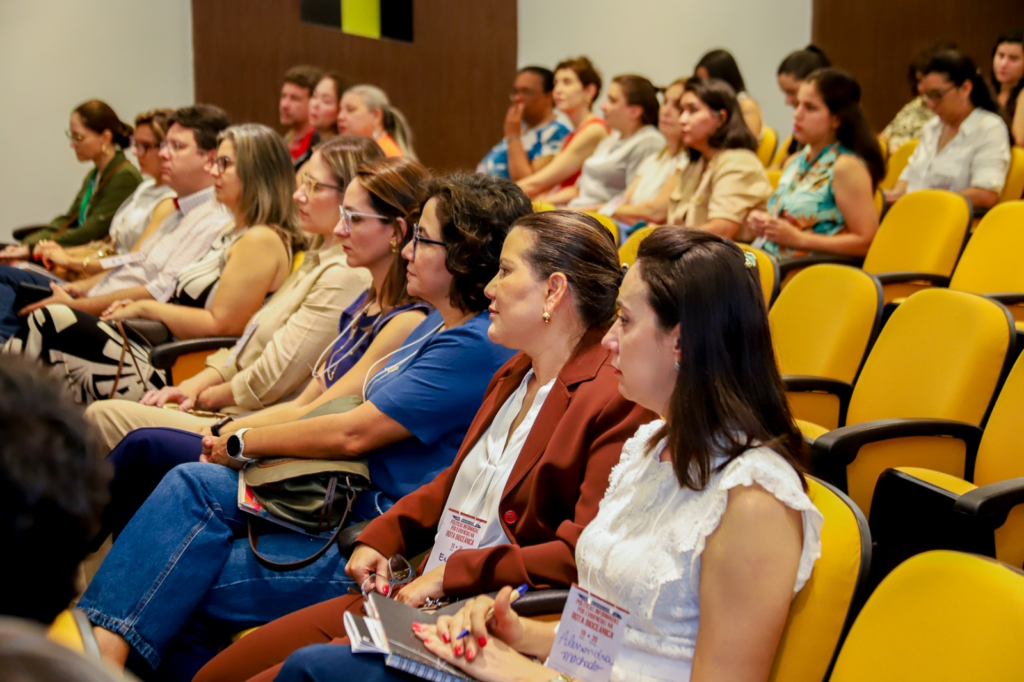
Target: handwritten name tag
point(114, 261)
point(240, 344)
point(589, 637)
point(457, 531)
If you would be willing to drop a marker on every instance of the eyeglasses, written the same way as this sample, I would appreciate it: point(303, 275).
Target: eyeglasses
point(223, 163)
point(400, 573)
point(935, 95)
point(143, 148)
point(348, 224)
point(310, 185)
point(175, 146)
point(522, 92)
point(74, 137)
point(416, 239)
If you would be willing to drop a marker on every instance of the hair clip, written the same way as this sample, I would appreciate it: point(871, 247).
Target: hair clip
point(622, 273)
point(750, 260)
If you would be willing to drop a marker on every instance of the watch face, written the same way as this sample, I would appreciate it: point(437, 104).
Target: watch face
point(234, 445)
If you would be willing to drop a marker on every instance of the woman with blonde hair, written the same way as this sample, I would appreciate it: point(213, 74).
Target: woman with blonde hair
point(366, 110)
point(215, 296)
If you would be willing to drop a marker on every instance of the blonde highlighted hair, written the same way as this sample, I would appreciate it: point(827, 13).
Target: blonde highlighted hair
point(394, 121)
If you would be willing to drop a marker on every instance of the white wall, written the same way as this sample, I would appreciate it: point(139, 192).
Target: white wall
point(663, 39)
point(56, 54)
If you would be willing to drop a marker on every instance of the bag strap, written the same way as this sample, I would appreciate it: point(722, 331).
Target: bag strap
point(286, 566)
point(126, 345)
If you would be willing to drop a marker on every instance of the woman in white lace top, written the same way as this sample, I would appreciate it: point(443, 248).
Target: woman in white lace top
point(705, 533)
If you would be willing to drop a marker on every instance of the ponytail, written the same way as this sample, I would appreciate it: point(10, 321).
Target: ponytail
point(396, 125)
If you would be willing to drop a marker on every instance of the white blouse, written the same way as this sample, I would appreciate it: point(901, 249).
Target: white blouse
point(613, 165)
point(643, 549)
point(654, 172)
point(484, 472)
point(131, 219)
point(977, 156)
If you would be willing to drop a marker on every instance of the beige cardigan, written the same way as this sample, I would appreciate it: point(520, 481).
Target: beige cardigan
point(294, 327)
point(734, 184)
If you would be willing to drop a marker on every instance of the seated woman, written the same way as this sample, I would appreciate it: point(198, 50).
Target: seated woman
point(577, 85)
point(909, 121)
point(416, 410)
point(705, 523)
point(646, 199)
point(534, 463)
point(365, 110)
point(724, 180)
point(300, 319)
point(631, 111)
point(97, 135)
point(722, 65)
point(966, 147)
point(215, 296)
point(793, 71)
point(825, 199)
point(1008, 81)
point(324, 106)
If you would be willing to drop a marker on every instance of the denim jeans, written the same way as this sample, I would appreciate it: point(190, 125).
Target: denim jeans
point(10, 279)
point(322, 663)
point(181, 578)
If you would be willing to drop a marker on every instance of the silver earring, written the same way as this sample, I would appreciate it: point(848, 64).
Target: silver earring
point(677, 367)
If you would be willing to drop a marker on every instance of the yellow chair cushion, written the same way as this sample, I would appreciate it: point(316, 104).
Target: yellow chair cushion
point(627, 252)
point(64, 631)
point(810, 430)
point(953, 484)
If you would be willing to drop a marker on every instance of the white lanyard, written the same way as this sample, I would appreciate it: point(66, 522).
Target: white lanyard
point(367, 382)
point(351, 349)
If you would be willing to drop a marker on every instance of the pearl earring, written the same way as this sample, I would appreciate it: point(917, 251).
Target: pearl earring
point(677, 367)
point(547, 317)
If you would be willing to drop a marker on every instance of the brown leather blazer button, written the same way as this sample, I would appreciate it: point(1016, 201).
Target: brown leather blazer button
point(510, 517)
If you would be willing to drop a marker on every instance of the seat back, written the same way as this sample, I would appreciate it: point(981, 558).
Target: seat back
point(781, 152)
point(541, 206)
point(608, 223)
point(895, 164)
point(766, 146)
point(941, 355)
point(1014, 187)
point(767, 271)
point(774, 175)
point(822, 612)
point(627, 252)
point(72, 630)
point(991, 263)
point(939, 616)
point(822, 324)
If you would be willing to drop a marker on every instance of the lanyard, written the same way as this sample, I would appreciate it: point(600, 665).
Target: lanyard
point(83, 206)
point(368, 382)
point(351, 331)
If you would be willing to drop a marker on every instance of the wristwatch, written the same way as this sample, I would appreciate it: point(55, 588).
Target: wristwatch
point(236, 446)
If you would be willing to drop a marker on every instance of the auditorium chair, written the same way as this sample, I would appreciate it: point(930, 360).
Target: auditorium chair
point(774, 175)
point(627, 252)
point(823, 324)
point(73, 630)
point(767, 272)
point(895, 164)
point(939, 617)
point(608, 223)
point(766, 145)
point(1014, 187)
point(924, 392)
point(781, 153)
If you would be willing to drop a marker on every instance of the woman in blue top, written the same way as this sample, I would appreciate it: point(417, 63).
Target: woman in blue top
point(181, 577)
point(825, 199)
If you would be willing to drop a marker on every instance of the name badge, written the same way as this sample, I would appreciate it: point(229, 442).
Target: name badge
point(114, 261)
point(589, 637)
point(457, 531)
point(240, 344)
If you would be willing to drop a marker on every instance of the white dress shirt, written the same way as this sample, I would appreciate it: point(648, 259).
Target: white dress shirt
point(977, 156)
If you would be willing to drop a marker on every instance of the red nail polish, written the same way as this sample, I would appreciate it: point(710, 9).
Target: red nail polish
point(384, 590)
point(458, 651)
point(482, 640)
point(445, 637)
point(470, 655)
point(417, 627)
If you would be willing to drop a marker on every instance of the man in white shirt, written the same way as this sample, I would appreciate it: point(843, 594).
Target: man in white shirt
point(185, 235)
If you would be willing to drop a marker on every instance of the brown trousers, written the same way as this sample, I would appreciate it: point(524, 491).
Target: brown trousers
point(258, 657)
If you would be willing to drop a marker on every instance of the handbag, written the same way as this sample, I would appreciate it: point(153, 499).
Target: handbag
point(313, 494)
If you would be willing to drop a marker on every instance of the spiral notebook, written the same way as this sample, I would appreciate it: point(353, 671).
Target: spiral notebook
point(387, 630)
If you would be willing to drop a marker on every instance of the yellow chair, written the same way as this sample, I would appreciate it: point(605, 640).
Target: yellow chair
point(939, 617)
point(608, 222)
point(766, 146)
point(774, 175)
point(895, 164)
point(926, 386)
point(767, 271)
point(821, 614)
point(541, 206)
point(822, 326)
point(72, 630)
point(782, 153)
point(627, 252)
point(1014, 187)
point(915, 510)
point(883, 144)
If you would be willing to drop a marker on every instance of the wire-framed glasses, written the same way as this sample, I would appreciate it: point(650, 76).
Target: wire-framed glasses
point(400, 573)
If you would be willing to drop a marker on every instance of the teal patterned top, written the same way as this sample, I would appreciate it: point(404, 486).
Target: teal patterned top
point(805, 197)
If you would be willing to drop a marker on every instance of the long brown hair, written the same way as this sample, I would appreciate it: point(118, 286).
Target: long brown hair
point(728, 395)
point(719, 95)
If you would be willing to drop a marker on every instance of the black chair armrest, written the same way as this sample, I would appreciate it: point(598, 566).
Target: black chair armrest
point(992, 502)
point(541, 602)
point(1007, 298)
point(901, 277)
point(21, 233)
point(805, 384)
point(834, 451)
point(164, 355)
point(348, 537)
point(786, 265)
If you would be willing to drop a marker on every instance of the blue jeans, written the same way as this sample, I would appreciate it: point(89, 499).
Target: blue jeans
point(324, 662)
point(10, 279)
point(181, 578)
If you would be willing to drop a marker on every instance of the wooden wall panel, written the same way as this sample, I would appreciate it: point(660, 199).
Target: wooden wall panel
point(452, 82)
point(876, 39)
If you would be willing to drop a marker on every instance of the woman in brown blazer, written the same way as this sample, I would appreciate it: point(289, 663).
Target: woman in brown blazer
point(537, 456)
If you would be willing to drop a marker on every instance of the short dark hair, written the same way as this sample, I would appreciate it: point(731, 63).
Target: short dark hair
point(802, 63)
point(547, 76)
point(305, 76)
point(640, 92)
point(958, 68)
point(728, 394)
point(53, 488)
point(584, 70)
point(722, 65)
point(99, 117)
point(206, 122)
point(718, 95)
point(476, 212)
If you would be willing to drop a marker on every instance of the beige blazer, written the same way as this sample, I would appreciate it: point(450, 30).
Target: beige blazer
point(730, 187)
point(293, 328)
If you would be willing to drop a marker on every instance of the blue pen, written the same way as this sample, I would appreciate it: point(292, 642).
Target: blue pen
point(516, 594)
